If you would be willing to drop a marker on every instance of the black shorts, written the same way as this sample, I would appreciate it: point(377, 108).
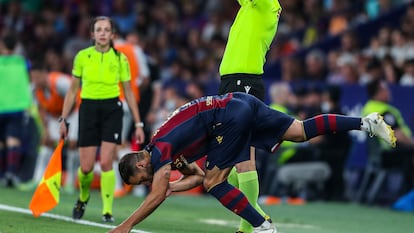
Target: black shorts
point(100, 120)
point(248, 83)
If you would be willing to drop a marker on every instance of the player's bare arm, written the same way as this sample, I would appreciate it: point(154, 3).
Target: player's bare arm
point(193, 176)
point(152, 201)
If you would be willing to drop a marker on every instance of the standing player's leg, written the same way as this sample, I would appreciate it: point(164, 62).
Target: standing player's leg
point(245, 56)
point(87, 158)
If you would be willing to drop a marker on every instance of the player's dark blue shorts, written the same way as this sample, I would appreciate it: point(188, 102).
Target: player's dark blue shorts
point(245, 122)
point(12, 125)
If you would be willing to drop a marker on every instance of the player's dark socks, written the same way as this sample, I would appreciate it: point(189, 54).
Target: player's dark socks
point(234, 200)
point(330, 123)
point(14, 155)
point(2, 161)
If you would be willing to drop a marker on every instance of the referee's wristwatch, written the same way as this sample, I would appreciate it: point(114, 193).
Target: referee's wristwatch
point(62, 119)
point(139, 124)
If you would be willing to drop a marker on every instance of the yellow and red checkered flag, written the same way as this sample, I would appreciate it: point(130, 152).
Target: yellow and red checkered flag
point(46, 196)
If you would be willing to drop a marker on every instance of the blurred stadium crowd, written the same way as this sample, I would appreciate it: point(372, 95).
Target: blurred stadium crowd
point(318, 43)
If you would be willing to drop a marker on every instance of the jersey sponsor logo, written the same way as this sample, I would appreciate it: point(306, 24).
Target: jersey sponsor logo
point(180, 162)
point(219, 139)
point(247, 89)
point(209, 100)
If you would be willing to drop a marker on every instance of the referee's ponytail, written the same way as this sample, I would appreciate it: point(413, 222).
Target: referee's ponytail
point(113, 29)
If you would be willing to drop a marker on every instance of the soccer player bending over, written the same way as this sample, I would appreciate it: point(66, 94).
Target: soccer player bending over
point(223, 128)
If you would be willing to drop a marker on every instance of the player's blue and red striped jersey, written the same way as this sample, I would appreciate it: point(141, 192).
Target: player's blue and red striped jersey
point(183, 136)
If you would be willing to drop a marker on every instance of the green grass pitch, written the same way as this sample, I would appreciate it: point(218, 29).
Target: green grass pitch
point(199, 214)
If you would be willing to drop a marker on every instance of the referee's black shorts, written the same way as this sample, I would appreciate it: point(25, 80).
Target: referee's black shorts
point(248, 83)
point(100, 120)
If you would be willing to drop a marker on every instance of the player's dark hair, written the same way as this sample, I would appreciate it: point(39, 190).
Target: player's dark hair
point(113, 29)
point(10, 41)
point(38, 64)
point(373, 87)
point(127, 163)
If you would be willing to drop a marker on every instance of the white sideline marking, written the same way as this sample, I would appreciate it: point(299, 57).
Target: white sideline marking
point(236, 223)
point(64, 218)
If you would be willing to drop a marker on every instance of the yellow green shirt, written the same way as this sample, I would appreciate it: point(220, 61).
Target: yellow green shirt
point(250, 37)
point(100, 72)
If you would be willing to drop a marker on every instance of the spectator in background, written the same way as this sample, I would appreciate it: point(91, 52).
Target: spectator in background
point(291, 69)
point(401, 157)
point(124, 15)
point(334, 149)
point(392, 73)
point(400, 49)
point(315, 66)
point(407, 79)
point(350, 43)
point(100, 113)
point(14, 20)
point(348, 72)
point(374, 71)
point(16, 99)
point(50, 89)
point(80, 39)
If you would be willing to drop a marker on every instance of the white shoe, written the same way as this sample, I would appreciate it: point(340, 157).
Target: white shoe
point(266, 227)
point(375, 125)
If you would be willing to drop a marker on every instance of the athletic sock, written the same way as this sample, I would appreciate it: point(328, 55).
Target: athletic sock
point(234, 200)
point(85, 181)
point(107, 190)
point(41, 162)
point(249, 185)
point(330, 123)
point(14, 155)
point(2, 160)
point(233, 178)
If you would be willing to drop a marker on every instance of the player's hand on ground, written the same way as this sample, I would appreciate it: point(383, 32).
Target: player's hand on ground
point(169, 191)
point(120, 229)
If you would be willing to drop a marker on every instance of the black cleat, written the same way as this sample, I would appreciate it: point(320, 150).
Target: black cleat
point(79, 209)
point(108, 218)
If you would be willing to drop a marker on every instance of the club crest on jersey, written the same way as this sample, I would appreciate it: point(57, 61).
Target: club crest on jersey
point(219, 139)
point(113, 68)
point(209, 100)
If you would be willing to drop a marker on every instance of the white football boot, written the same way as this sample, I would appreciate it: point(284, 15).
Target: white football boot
point(266, 227)
point(375, 125)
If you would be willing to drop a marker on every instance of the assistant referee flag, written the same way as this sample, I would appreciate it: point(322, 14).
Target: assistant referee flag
point(46, 196)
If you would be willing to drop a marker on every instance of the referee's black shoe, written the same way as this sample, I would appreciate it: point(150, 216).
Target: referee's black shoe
point(108, 218)
point(79, 209)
